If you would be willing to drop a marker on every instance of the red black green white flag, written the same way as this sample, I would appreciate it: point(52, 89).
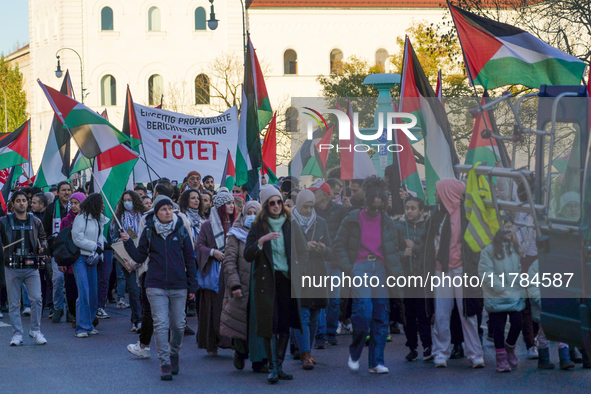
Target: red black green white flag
point(14, 147)
point(498, 54)
point(130, 126)
point(229, 175)
point(270, 151)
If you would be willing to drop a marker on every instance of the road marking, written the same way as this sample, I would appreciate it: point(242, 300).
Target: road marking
point(4, 324)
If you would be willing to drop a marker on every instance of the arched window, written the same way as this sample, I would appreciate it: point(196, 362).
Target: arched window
point(381, 57)
point(108, 90)
point(106, 19)
point(290, 62)
point(336, 60)
point(155, 89)
point(154, 19)
point(291, 120)
point(202, 89)
point(200, 19)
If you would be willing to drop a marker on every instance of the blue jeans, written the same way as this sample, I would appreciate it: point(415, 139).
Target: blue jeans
point(168, 312)
point(328, 319)
point(87, 302)
point(58, 287)
point(305, 338)
point(129, 280)
point(105, 266)
point(370, 314)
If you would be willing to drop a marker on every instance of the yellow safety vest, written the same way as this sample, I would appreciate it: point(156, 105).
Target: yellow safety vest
point(483, 223)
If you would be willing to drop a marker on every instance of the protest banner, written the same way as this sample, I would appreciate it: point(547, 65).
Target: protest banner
point(176, 143)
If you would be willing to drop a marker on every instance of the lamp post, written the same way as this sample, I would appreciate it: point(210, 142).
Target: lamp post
point(59, 72)
point(212, 23)
point(5, 113)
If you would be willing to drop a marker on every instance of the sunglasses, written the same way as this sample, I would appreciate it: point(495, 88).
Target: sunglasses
point(275, 203)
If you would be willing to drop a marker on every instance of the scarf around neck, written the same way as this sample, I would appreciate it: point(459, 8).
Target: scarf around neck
point(305, 223)
point(131, 221)
point(217, 229)
point(195, 219)
point(164, 230)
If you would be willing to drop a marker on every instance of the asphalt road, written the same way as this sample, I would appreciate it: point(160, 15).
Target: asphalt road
point(102, 364)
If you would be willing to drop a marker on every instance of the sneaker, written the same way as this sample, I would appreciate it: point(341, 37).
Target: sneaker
point(332, 340)
point(189, 331)
point(532, 353)
point(138, 328)
point(354, 365)
point(320, 343)
point(101, 314)
point(121, 304)
point(457, 352)
point(38, 337)
point(394, 329)
point(389, 338)
point(379, 369)
point(133, 328)
point(27, 312)
point(94, 332)
point(16, 340)
point(440, 362)
point(412, 355)
point(51, 313)
point(340, 328)
point(192, 312)
point(348, 326)
point(427, 355)
point(137, 350)
point(57, 316)
point(81, 335)
point(478, 362)
point(166, 372)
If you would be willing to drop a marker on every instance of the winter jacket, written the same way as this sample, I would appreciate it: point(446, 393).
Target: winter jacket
point(87, 233)
point(172, 260)
point(412, 265)
point(348, 242)
point(499, 296)
point(263, 274)
point(336, 214)
point(234, 320)
point(315, 266)
point(6, 237)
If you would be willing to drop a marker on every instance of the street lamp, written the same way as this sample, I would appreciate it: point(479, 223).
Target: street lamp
point(59, 72)
point(212, 23)
point(5, 113)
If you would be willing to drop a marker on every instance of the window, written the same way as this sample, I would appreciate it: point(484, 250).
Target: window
point(154, 19)
point(200, 22)
point(202, 89)
point(291, 120)
point(106, 19)
point(381, 57)
point(290, 62)
point(336, 61)
point(108, 91)
point(155, 89)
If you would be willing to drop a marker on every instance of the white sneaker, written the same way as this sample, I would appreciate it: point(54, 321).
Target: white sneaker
point(137, 350)
point(133, 328)
point(354, 365)
point(16, 340)
point(340, 328)
point(121, 304)
point(27, 312)
point(81, 335)
point(94, 332)
point(101, 314)
point(440, 362)
point(532, 353)
point(379, 369)
point(38, 337)
point(478, 362)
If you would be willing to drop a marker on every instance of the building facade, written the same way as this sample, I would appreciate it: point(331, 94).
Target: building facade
point(164, 47)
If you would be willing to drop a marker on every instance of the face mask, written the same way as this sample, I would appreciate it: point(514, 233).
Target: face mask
point(128, 205)
point(248, 221)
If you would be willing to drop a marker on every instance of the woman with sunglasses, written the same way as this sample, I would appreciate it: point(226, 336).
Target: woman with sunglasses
point(268, 246)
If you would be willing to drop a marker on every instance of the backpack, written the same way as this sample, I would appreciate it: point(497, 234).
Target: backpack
point(65, 252)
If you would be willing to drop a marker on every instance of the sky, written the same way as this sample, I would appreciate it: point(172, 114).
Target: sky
point(14, 24)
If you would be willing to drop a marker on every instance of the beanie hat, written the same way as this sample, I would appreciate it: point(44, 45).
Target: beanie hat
point(303, 197)
point(320, 185)
point(268, 191)
point(190, 174)
point(222, 198)
point(79, 196)
point(161, 203)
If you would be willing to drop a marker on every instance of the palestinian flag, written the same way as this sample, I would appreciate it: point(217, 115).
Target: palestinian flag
point(92, 132)
point(130, 126)
point(80, 163)
point(255, 113)
point(308, 160)
point(270, 151)
point(407, 165)
point(354, 164)
point(498, 54)
point(55, 165)
point(484, 150)
point(417, 97)
point(7, 178)
point(439, 88)
point(14, 147)
point(111, 173)
point(229, 175)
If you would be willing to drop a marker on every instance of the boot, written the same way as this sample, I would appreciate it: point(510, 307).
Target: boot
point(586, 361)
point(307, 361)
point(282, 340)
point(269, 344)
point(544, 359)
point(565, 362)
point(511, 357)
point(174, 364)
point(502, 363)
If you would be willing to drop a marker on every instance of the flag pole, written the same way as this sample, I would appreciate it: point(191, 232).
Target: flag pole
point(148, 167)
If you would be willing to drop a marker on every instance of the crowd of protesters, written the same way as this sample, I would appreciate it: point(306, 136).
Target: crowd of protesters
point(232, 260)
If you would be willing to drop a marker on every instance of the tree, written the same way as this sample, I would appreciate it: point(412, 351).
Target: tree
point(11, 80)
